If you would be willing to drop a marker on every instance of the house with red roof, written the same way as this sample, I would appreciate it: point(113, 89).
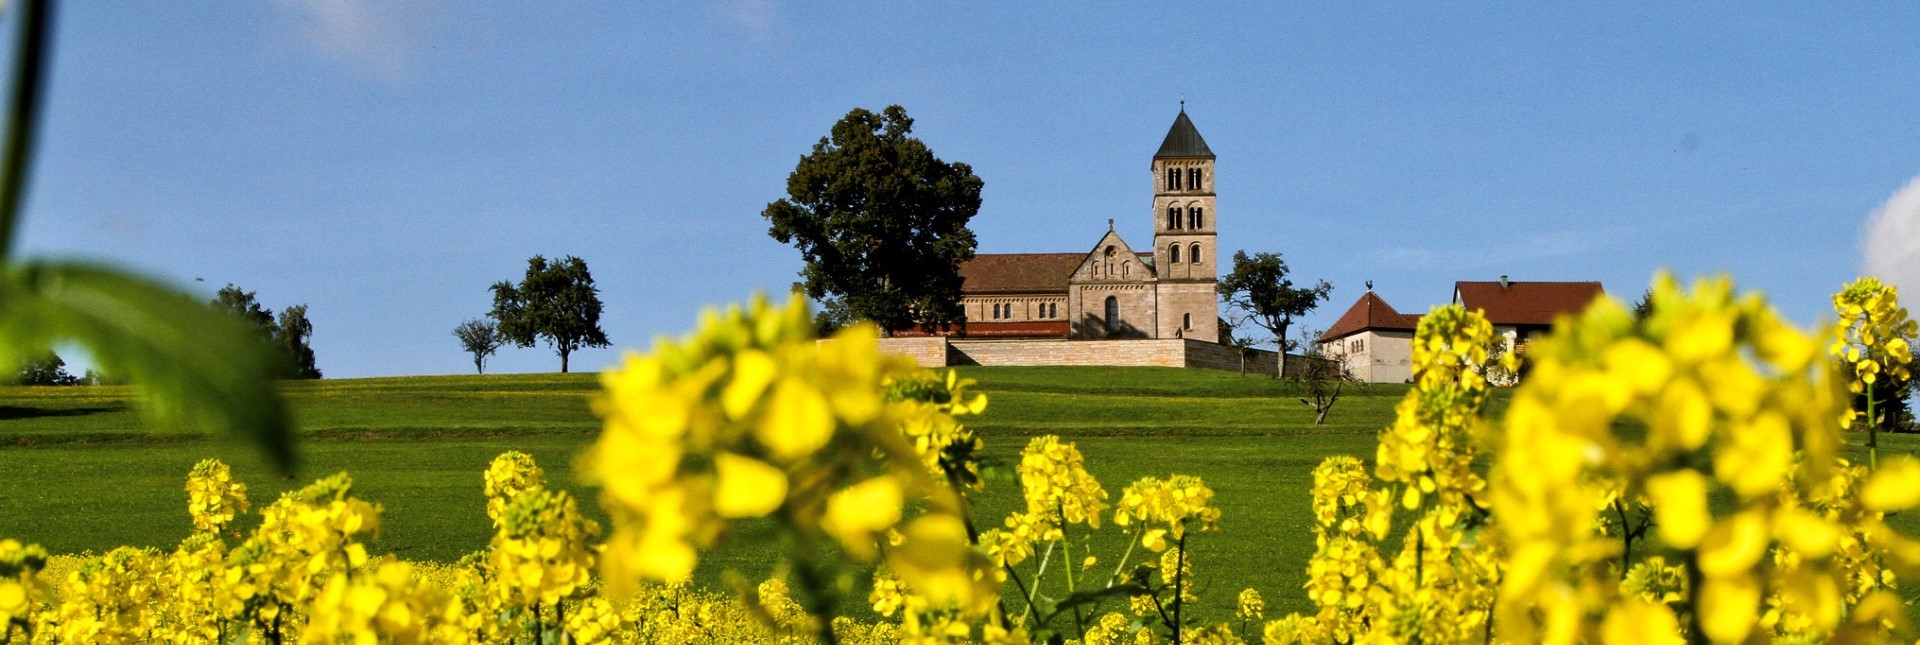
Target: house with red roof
point(1374, 339)
point(1521, 311)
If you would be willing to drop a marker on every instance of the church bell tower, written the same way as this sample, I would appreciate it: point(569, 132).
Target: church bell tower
point(1185, 255)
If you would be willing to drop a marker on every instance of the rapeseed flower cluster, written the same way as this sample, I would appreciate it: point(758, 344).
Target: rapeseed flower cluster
point(509, 475)
point(1712, 419)
point(751, 417)
point(213, 496)
point(1874, 335)
point(930, 406)
point(21, 587)
point(1712, 397)
point(1057, 488)
point(1165, 508)
point(544, 551)
point(1440, 585)
point(262, 591)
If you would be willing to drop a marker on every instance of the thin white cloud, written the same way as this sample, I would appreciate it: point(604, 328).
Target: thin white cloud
point(374, 35)
point(1890, 242)
point(756, 17)
point(1535, 247)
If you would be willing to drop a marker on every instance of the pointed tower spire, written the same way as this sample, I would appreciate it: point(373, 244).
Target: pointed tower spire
point(1183, 140)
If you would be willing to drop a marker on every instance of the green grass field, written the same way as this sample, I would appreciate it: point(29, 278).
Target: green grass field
point(78, 471)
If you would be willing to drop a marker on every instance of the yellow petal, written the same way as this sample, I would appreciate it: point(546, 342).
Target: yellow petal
point(1154, 539)
point(797, 420)
point(1637, 621)
point(855, 514)
point(1639, 364)
point(1895, 487)
point(1758, 456)
point(1680, 507)
point(1683, 417)
point(752, 371)
point(1733, 545)
point(1729, 606)
point(747, 487)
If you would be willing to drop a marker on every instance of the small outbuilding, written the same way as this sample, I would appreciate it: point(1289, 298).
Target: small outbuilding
point(1374, 340)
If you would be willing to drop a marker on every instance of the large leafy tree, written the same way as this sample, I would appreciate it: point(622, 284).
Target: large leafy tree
point(290, 333)
point(1260, 287)
point(556, 301)
point(881, 222)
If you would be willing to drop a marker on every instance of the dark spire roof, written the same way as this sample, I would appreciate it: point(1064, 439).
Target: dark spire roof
point(1183, 140)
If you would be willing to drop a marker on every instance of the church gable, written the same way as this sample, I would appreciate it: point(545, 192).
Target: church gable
point(1112, 260)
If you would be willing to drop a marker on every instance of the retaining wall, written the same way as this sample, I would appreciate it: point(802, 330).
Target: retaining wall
point(941, 351)
point(927, 351)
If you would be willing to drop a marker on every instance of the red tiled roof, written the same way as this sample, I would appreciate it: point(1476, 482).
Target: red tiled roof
point(1024, 329)
point(1028, 329)
point(1525, 303)
point(1369, 312)
point(1019, 272)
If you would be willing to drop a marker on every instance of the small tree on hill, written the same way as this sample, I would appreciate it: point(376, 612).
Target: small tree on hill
point(1323, 377)
point(881, 222)
point(290, 334)
point(1260, 287)
point(480, 338)
point(1227, 322)
point(556, 301)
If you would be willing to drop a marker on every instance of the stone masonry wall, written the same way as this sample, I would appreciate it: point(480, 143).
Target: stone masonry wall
point(941, 351)
point(926, 351)
point(1164, 353)
point(1224, 357)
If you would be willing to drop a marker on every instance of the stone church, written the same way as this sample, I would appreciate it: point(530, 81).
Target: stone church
point(1113, 290)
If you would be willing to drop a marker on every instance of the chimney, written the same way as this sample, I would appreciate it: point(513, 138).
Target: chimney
point(1503, 282)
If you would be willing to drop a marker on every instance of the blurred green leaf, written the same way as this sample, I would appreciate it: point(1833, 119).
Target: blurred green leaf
point(198, 368)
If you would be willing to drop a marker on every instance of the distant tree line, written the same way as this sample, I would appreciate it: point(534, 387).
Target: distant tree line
point(290, 333)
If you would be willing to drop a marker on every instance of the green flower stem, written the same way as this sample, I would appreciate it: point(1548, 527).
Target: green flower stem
point(1038, 571)
point(1132, 541)
point(1873, 433)
point(819, 593)
point(1024, 593)
point(1066, 553)
point(1179, 571)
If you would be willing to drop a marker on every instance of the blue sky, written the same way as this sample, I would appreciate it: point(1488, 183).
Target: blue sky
point(383, 162)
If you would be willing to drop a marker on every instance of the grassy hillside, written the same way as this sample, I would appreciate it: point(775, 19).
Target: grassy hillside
point(81, 473)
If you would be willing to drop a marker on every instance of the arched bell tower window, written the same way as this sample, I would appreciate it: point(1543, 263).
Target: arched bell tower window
point(1193, 179)
point(1194, 216)
point(1195, 255)
point(1173, 179)
point(1173, 253)
point(1113, 313)
point(1173, 217)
